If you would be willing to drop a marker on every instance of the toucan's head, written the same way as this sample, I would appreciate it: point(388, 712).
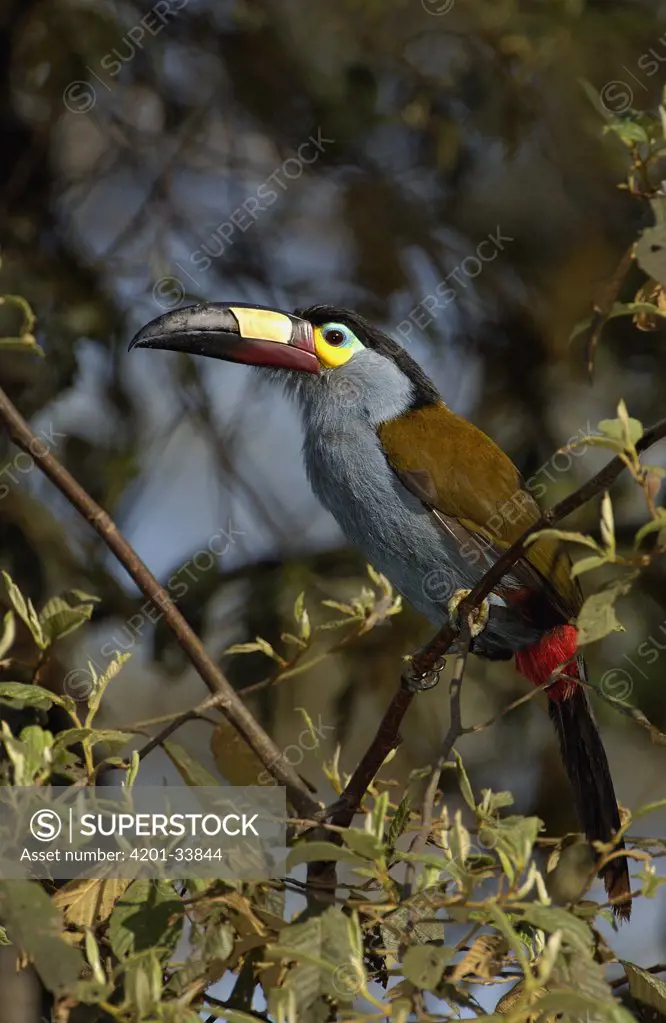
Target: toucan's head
point(321, 352)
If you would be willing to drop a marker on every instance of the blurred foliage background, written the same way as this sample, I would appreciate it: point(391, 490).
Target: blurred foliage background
point(131, 136)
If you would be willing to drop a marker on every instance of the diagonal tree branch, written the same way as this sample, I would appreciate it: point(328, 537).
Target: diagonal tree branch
point(226, 697)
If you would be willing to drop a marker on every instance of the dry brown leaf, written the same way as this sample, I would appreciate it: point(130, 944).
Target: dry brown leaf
point(242, 947)
point(235, 761)
point(86, 901)
point(507, 1001)
point(483, 959)
point(652, 293)
point(513, 995)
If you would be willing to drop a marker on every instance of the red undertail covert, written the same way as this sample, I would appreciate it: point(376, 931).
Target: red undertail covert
point(539, 661)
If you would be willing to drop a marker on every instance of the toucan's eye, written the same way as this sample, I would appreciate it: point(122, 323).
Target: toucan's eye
point(334, 336)
point(335, 344)
point(338, 334)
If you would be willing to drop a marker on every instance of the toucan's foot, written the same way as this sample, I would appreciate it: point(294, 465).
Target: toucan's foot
point(415, 683)
point(479, 615)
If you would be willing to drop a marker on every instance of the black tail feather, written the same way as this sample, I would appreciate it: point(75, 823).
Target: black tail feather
point(589, 774)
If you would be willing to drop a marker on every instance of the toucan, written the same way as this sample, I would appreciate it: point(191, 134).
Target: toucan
point(430, 500)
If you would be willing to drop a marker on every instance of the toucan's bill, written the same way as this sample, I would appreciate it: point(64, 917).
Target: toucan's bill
point(237, 333)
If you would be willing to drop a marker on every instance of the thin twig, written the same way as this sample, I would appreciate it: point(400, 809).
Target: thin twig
point(455, 730)
point(187, 715)
point(228, 701)
point(604, 305)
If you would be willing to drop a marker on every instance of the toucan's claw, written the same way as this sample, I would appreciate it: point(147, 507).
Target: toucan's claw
point(416, 683)
point(479, 615)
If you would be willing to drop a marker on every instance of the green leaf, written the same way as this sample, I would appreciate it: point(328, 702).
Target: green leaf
point(37, 744)
point(302, 617)
point(439, 860)
point(80, 596)
point(653, 526)
point(26, 612)
point(399, 821)
point(189, 769)
point(588, 564)
point(608, 524)
point(328, 961)
point(346, 609)
point(576, 935)
point(651, 246)
point(459, 842)
point(35, 925)
point(244, 648)
point(8, 633)
point(310, 852)
point(58, 618)
point(492, 802)
point(597, 617)
point(142, 981)
point(632, 428)
point(93, 957)
point(379, 814)
point(115, 739)
point(312, 732)
point(463, 781)
point(23, 694)
point(576, 1005)
point(32, 755)
point(646, 989)
point(100, 684)
point(267, 649)
point(513, 837)
point(334, 623)
point(363, 843)
point(650, 881)
point(628, 131)
point(622, 429)
point(149, 915)
point(562, 534)
point(595, 440)
point(612, 428)
point(424, 965)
